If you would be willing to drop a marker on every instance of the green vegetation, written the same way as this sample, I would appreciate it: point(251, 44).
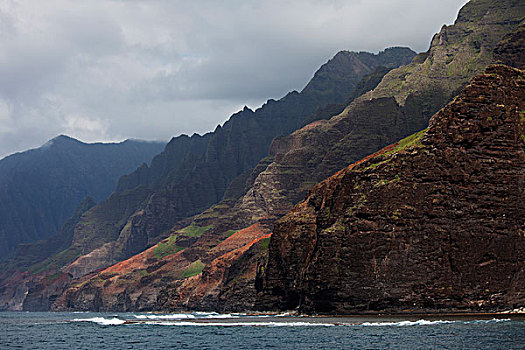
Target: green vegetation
point(55, 261)
point(264, 243)
point(195, 231)
point(170, 246)
point(336, 227)
point(53, 276)
point(167, 248)
point(409, 142)
point(395, 214)
point(194, 269)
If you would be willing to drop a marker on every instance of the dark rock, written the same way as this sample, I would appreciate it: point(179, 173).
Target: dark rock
point(434, 222)
point(511, 50)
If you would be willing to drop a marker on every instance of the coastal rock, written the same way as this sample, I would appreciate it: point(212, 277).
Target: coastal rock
point(433, 222)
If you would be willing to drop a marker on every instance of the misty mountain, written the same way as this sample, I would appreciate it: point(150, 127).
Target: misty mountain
point(40, 188)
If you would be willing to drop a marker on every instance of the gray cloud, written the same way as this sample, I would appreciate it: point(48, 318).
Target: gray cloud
point(108, 70)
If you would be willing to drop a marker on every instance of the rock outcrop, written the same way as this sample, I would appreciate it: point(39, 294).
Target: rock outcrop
point(400, 105)
point(511, 49)
point(433, 222)
point(172, 275)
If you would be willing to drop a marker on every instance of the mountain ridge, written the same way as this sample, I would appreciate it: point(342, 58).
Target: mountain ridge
point(41, 187)
point(206, 164)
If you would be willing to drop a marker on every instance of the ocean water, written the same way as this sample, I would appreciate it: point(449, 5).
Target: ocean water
point(33, 330)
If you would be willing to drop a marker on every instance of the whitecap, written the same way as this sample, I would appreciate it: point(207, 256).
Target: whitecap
point(101, 320)
point(165, 317)
point(429, 323)
point(494, 320)
point(404, 323)
point(182, 316)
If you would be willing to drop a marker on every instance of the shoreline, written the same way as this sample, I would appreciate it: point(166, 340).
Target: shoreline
point(412, 315)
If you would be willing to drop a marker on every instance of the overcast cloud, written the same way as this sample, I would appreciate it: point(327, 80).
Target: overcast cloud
point(152, 69)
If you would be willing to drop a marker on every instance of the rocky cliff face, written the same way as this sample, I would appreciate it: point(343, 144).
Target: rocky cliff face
point(400, 105)
point(457, 52)
point(511, 49)
point(433, 222)
point(186, 271)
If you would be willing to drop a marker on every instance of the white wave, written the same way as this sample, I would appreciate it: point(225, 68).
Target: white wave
point(216, 315)
point(243, 324)
point(429, 323)
point(101, 320)
point(404, 323)
point(165, 317)
point(222, 316)
point(195, 315)
point(494, 320)
point(173, 320)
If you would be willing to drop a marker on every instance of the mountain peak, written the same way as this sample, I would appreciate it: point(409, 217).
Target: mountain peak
point(60, 139)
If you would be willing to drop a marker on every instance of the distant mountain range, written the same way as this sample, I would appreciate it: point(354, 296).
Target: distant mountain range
point(40, 188)
point(195, 172)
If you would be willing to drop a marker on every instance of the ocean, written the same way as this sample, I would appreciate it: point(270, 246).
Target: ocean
point(201, 330)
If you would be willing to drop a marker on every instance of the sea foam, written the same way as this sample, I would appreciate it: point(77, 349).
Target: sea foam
point(428, 323)
point(195, 315)
point(101, 320)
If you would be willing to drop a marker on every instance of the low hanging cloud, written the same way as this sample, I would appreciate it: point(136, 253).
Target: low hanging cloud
point(152, 69)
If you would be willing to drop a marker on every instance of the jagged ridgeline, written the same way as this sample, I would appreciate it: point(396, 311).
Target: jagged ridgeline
point(400, 105)
point(194, 172)
point(218, 262)
point(40, 188)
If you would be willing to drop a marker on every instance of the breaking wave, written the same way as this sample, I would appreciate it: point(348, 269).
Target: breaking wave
point(195, 315)
point(101, 320)
point(209, 320)
point(428, 323)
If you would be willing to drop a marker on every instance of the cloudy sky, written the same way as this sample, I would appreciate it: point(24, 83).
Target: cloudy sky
point(107, 70)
